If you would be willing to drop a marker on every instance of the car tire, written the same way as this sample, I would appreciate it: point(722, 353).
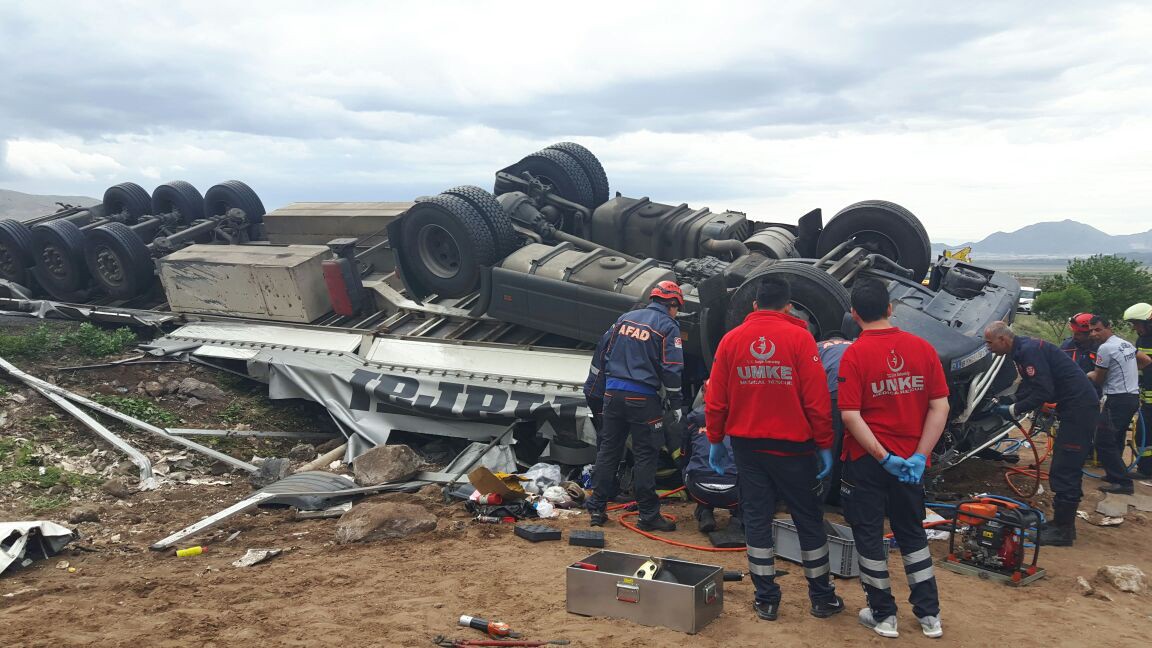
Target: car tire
point(562, 172)
point(58, 248)
point(447, 242)
point(884, 228)
point(178, 197)
point(816, 297)
point(119, 261)
point(129, 199)
point(15, 252)
point(499, 223)
point(592, 169)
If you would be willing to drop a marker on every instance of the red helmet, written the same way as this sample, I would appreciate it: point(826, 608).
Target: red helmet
point(668, 290)
point(1080, 322)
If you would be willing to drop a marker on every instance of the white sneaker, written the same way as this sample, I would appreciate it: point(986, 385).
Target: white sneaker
point(884, 627)
point(931, 626)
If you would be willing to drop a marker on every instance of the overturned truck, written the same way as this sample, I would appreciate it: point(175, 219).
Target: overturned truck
point(550, 249)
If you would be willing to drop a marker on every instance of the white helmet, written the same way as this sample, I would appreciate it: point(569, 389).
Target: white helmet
point(1138, 312)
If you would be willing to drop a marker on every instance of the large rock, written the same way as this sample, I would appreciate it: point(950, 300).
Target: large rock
point(116, 488)
point(272, 470)
point(1126, 578)
point(200, 389)
point(154, 389)
point(382, 521)
point(84, 513)
point(384, 464)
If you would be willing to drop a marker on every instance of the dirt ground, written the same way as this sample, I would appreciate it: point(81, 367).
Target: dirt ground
point(403, 593)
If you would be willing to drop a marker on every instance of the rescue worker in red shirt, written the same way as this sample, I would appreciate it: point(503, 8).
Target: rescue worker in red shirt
point(894, 399)
point(769, 394)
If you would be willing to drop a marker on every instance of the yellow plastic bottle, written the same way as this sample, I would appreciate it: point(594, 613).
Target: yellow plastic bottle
point(190, 551)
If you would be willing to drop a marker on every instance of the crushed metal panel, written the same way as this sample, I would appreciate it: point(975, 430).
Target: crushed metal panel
point(546, 366)
point(227, 353)
point(269, 335)
point(284, 283)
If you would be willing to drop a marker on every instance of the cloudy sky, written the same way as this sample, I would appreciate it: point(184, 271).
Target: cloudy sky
point(976, 116)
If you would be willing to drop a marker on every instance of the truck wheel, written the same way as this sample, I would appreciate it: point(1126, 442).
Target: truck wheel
point(58, 247)
point(233, 193)
point(448, 242)
point(499, 224)
point(15, 252)
point(883, 228)
point(129, 199)
point(592, 168)
point(178, 197)
point(816, 297)
point(119, 261)
point(560, 170)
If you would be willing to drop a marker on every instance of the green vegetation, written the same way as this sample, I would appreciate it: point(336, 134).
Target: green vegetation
point(47, 502)
point(140, 408)
point(1113, 283)
point(1055, 307)
point(1033, 326)
point(87, 339)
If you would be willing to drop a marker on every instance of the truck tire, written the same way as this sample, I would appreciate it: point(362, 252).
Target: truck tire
point(178, 197)
point(884, 228)
point(233, 193)
point(499, 223)
point(560, 170)
point(58, 247)
point(129, 199)
point(592, 168)
point(448, 242)
point(119, 261)
point(816, 297)
point(15, 252)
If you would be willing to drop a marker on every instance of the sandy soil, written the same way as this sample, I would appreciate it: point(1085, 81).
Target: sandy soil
point(403, 593)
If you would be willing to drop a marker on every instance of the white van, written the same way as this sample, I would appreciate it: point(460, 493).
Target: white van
point(1027, 296)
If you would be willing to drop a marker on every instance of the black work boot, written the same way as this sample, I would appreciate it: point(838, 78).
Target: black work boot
point(767, 611)
point(828, 608)
point(1061, 531)
point(705, 519)
point(597, 518)
point(658, 523)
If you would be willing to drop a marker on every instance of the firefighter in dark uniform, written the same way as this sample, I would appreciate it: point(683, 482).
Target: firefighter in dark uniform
point(1140, 317)
point(594, 384)
point(768, 394)
point(643, 355)
point(1080, 346)
point(1050, 376)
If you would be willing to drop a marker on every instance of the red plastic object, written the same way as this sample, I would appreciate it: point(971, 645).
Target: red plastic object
point(337, 288)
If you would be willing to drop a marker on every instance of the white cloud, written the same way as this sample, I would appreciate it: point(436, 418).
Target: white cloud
point(977, 117)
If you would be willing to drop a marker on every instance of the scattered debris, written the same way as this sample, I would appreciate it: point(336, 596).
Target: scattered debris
point(302, 452)
point(1085, 587)
point(63, 564)
point(116, 488)
point(84, 513)
point(387, 463)
point(255, 557)
point(1126, 578)
point(22, 590)
point(37, 539)
point(369, 521)
point(189, 552)
point(201, 390)
point(232, 537)
point(1112, 506)
point(331, 512)
point(17, 398)
point(193, 403)
point(1099, 520)
point(272, 470)
point(155, 389)
point(245, 430)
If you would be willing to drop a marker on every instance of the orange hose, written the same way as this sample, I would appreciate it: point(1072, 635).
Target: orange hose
point(1033, 471)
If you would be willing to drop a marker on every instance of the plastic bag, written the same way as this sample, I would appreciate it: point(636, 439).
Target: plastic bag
point(557, 495)
point(541, 476)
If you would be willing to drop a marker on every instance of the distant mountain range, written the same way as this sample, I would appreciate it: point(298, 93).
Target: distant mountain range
point(1057, 239)
point(22, 206)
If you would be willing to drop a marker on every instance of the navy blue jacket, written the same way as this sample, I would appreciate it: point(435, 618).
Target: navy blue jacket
point(831, 351)
point(1084, 357)
point(643, 352)
point(696, 447)
point(1049, 376)
point(594, 383)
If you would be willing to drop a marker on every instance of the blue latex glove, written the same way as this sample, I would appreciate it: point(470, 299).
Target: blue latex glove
point(895, 465)
point(718, 458)
point(1003, 410)
point(825, 456)
point(915, 470)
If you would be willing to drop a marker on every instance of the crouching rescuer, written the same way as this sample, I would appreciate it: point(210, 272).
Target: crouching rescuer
point(642, 356)
point(768, 393)
point(893, 397)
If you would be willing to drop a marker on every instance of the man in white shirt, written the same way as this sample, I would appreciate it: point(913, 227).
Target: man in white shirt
point(1117, 371)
